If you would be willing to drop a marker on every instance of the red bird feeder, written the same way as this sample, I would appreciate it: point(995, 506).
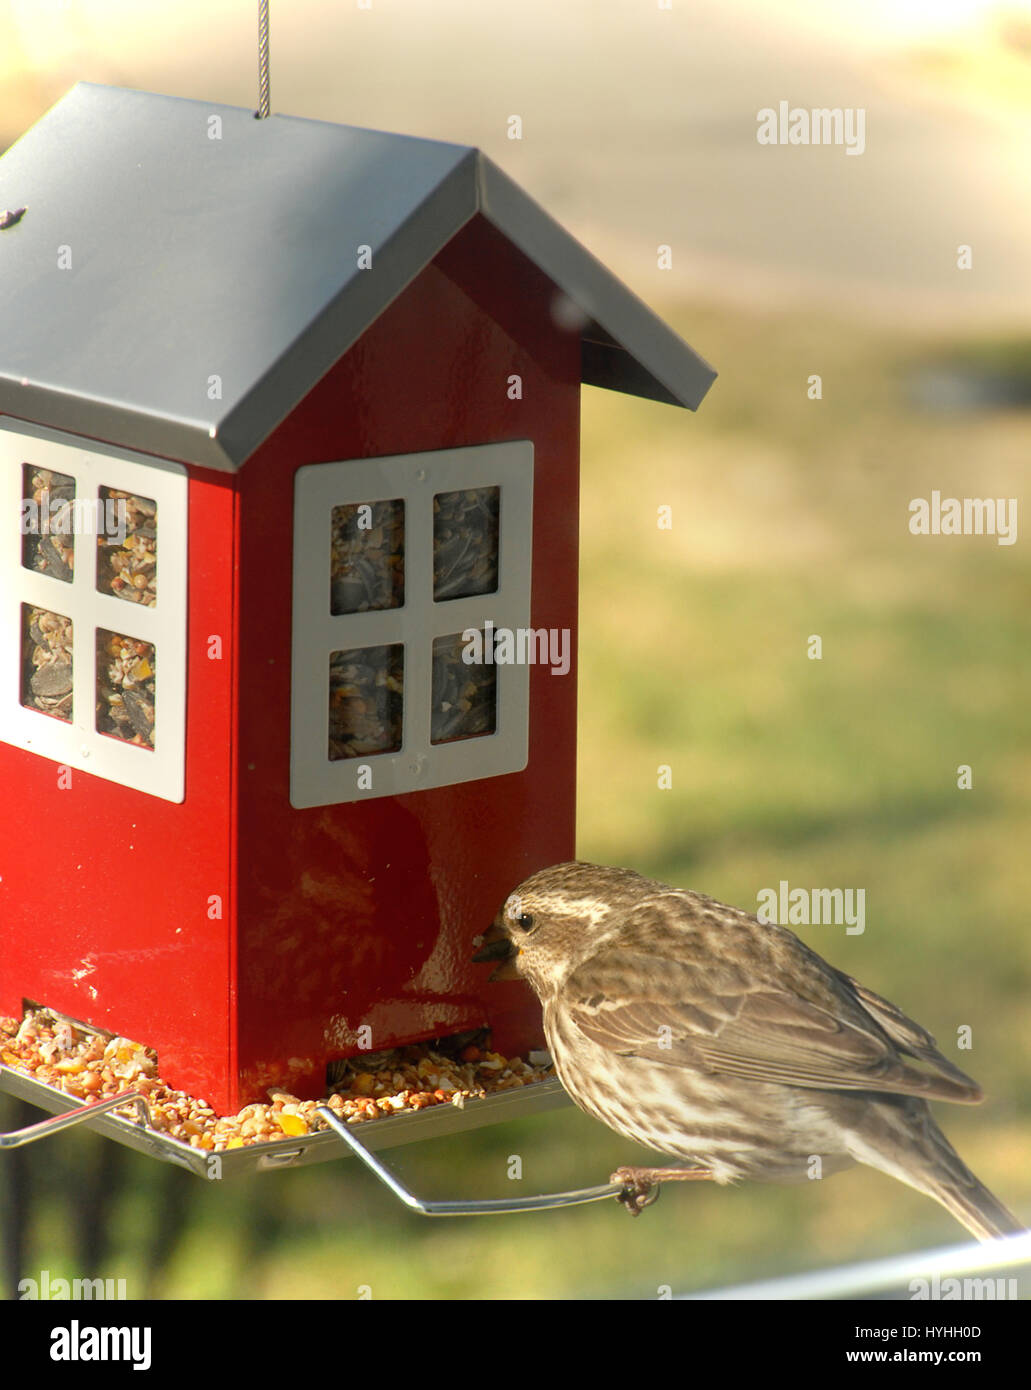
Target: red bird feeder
point(288, 567)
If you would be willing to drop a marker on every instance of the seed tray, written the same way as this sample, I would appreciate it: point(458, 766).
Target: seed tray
point(320, 1147)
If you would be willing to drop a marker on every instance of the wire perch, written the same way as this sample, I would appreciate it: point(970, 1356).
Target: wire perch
point(544, 1201)
point(15, 1138)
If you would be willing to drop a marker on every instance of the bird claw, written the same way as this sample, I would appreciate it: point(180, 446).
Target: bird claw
point(637, 1192)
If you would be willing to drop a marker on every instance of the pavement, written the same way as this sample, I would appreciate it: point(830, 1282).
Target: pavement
point(639, 125)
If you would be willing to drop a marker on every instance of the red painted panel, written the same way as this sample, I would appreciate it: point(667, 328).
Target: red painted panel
point(103, 898)
point(364, 913)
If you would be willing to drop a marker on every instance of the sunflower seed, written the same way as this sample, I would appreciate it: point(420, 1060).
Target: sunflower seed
point(46, 662)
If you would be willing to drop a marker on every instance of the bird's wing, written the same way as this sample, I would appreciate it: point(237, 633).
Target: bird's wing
point(908, 1036)
point(726, 994)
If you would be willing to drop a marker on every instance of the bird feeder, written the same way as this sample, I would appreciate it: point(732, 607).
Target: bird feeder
point(289, 451)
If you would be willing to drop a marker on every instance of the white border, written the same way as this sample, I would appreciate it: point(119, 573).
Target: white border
point(159, 771)
point(418, 765)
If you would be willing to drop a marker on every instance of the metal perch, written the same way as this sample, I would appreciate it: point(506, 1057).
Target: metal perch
point(544, 1201)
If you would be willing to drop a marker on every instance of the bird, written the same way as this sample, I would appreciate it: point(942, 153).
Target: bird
point(725, 1042)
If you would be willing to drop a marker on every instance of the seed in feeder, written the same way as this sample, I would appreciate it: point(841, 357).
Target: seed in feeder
point(465, 542)
point(125, 705)
point(365, 701)
point(127, 547)
point(464, 696)
point(47, 506)
point(87, 1064)
point(52, 680)
point(367, 556)
point(141, 715)
point(55, 561)
point(46, 662)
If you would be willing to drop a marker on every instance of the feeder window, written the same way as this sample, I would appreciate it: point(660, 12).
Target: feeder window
point(127, 561)
point(465, 542)
point(126, 687)
point(404, 569)
point(367, 561)
point(79, 675)
point(464, 694)
point(47, 662)
point(365, 701)
point(50, 551)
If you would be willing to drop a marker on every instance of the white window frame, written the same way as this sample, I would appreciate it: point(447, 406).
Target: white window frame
point(159, 771)
point(418, 765)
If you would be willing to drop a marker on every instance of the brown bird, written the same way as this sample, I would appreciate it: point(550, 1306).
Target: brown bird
point(693, 1028)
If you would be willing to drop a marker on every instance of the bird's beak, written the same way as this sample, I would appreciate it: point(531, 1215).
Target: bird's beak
point(498, 945)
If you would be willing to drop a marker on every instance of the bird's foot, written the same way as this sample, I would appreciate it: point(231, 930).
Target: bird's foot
point(641, 1186)
point(638, 1189)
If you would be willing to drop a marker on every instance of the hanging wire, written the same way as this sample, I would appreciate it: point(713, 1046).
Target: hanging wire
point(263, 77)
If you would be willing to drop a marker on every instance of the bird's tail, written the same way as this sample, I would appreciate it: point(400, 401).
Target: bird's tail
point(979, 1210)
point(904, 1140)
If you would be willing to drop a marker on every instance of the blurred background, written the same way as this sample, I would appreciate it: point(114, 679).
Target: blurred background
point(790, 518)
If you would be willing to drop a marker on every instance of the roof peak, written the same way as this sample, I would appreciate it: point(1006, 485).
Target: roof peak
point(198, 233)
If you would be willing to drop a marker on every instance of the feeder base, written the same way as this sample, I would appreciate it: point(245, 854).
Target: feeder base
point(320, 1147)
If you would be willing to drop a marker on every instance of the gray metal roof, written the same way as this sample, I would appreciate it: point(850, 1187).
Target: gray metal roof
point(235, 257)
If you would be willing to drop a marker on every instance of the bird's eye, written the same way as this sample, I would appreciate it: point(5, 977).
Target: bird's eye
point(525, 921)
